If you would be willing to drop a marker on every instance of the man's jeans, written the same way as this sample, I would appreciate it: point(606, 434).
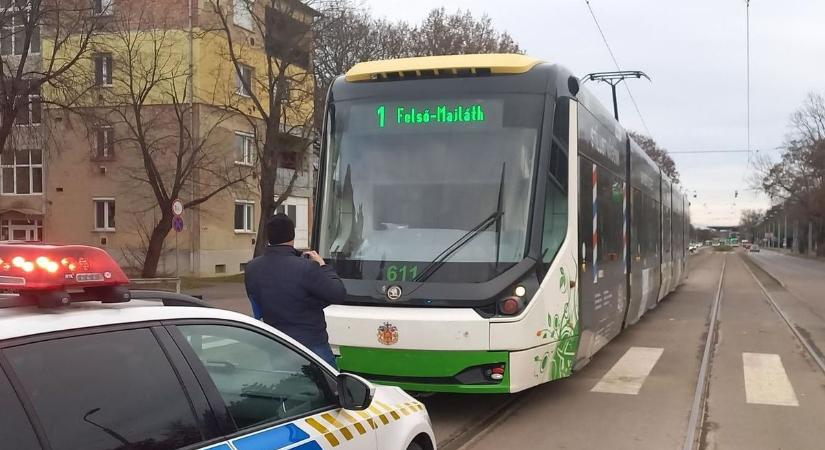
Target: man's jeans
point(325, 352)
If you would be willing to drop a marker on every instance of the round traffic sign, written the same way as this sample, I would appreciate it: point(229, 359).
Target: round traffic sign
point(177, 223)
point(177, 207)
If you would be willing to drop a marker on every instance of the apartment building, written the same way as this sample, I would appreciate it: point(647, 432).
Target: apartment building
point(84, 174)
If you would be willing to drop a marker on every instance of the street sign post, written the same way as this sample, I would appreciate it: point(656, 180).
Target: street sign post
point(177, 207)
point(177, 225)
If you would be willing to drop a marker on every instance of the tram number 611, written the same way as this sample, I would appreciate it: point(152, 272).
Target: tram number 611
point(401, 273)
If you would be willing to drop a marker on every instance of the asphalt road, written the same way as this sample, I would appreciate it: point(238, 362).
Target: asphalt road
point(764, 389)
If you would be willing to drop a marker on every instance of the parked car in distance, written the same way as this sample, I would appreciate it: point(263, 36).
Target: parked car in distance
point(754, 248)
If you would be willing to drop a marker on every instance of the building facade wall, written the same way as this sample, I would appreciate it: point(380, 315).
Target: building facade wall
point(75, 181)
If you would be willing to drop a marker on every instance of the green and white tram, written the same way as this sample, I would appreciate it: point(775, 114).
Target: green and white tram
point(494, 225)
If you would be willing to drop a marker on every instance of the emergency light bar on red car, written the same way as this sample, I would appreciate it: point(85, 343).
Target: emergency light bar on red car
point(26, 268)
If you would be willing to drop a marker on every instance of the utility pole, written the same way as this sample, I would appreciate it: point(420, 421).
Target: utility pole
point(614, 78)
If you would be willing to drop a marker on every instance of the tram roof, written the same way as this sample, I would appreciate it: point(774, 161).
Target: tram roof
point(496, 63)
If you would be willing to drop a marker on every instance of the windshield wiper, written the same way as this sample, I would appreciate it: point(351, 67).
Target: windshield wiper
point(442, 257)
point(500, 213)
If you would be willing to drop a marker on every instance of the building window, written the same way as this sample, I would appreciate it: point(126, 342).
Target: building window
point(15, 26)
point(103, 70)
point(245, 80)
point(220, 268)
point(104, 214)
point(104, 143)
point(243, 13)
point(244, 216)
point(289, 160)
point(30, 112)
point(21, 171)
point(289, 210)
point(103, 7)
point(244, 148)
point(21, 230)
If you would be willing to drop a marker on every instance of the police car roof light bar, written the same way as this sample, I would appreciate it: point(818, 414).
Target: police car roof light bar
point(49, 268)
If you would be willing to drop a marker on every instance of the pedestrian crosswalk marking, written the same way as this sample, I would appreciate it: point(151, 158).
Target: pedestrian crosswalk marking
point(766, 382)
point(630, 372)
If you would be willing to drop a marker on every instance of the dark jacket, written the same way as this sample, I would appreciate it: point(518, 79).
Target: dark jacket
point(290, 293)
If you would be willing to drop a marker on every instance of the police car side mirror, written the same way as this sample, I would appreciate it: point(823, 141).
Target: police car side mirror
point(354, 392)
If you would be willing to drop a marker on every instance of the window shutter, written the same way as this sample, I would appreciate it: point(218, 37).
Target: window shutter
point(99, 70)
point(110, 142)
point(108, 60)
point(239, 143)
point(37, 109)
point(99, 142)
point(35, 44)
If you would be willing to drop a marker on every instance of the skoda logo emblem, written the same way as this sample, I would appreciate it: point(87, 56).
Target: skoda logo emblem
point(394, 292)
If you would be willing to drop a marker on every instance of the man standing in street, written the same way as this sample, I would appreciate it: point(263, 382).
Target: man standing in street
point(289, 291)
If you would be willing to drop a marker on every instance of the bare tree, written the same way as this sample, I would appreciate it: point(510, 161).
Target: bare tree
point(142, 97)
point(27, 66)
point(450, 34)
point(347, 34)
point(658, 154)
point(276, 90)
point(798, 178)
point(749, 223)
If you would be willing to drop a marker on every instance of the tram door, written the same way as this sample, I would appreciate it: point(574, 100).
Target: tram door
point(602, 277)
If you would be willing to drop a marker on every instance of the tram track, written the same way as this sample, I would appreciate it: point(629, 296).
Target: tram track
point(693, 436)
point(696, 422)
point(810, 349)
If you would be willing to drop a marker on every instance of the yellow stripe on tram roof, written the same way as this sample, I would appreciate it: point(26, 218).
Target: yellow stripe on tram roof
point(497, 63)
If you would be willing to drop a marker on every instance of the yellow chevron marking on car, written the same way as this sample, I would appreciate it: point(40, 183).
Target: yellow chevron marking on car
point(383, 410)
point(380, 413)
point(404, 410)
point(341, 427)
point(369, 419)
point(389, 409)
point(354, 421)
point(333, 441)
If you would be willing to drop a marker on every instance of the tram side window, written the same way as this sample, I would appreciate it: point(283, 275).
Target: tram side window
point(555, 220)
point(610, 215)
point(555, 206)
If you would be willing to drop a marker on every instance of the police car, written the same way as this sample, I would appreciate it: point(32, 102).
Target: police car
point(87, 364)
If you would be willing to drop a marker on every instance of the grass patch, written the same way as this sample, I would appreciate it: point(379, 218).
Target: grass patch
point(195, 282)
point(723, 248)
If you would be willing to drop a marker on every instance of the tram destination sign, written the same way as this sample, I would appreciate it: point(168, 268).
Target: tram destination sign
point(427, 115)
point(411, 115)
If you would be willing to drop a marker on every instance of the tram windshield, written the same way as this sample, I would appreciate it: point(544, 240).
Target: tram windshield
point(410, 183)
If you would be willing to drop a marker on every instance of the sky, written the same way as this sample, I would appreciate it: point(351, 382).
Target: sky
point(695, 54)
